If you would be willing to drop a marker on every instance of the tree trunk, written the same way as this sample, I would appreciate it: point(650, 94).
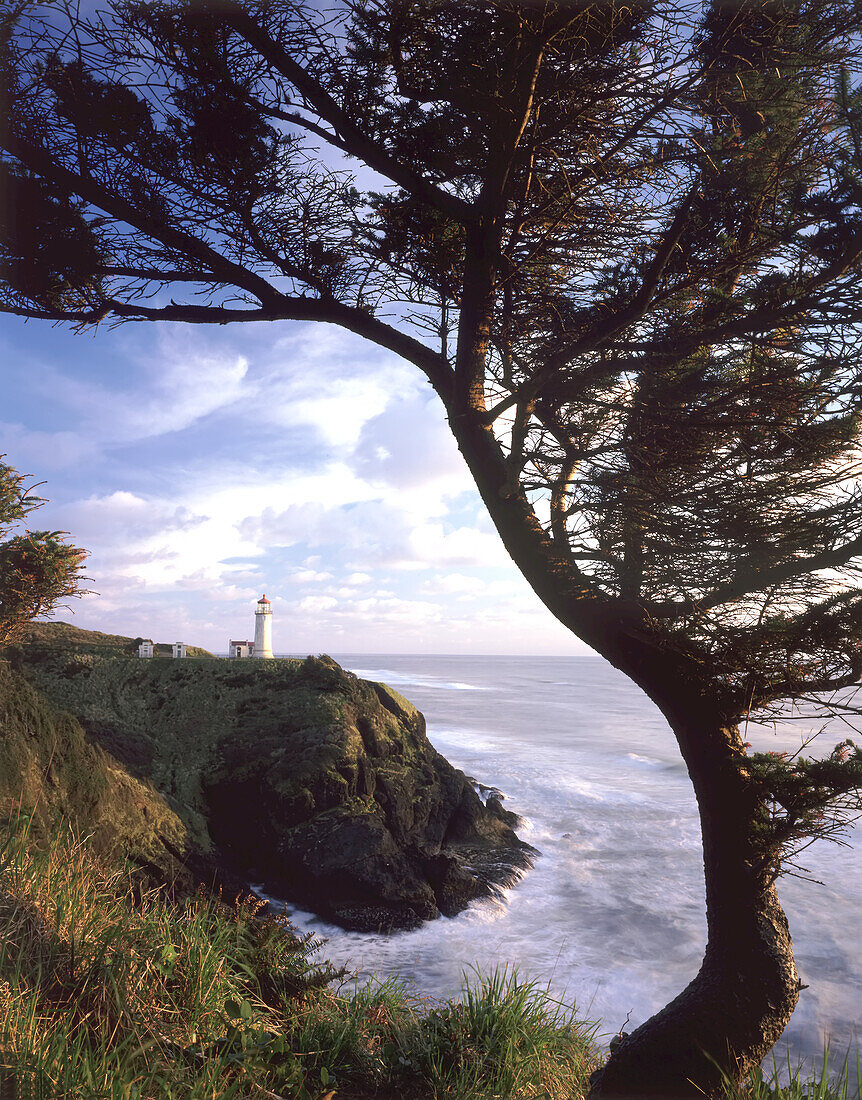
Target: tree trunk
point(732, 1013)
point(728, 1018)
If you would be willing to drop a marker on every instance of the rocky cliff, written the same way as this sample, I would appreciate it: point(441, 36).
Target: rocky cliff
point(294, 774)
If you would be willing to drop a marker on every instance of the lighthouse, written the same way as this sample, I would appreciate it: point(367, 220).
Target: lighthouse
point(263, 628)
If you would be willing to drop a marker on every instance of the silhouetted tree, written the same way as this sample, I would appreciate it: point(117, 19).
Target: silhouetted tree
point(623, 242)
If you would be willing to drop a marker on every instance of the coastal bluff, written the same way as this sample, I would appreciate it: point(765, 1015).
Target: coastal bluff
point(294, 775)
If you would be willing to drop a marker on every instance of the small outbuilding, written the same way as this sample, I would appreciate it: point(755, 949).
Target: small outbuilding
point(239, 649)
point(179, 649)
point(146, 649)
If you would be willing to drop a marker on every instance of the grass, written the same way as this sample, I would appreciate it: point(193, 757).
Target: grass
point(110, 992)
point(792, 1082)
point(505, 1038)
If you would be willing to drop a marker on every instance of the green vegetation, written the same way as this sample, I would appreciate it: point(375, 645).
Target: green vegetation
point(793, 1083)
point(110, 988)
point(51, 769)
point(38, 569)
point(106, 991)
point(623, 244)
point(164, 720)
point(110, 992)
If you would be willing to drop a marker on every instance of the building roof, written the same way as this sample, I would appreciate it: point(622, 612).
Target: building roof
point(236, 642)
point(263, 599)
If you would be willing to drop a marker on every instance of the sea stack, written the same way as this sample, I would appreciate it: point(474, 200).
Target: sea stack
point(263, 628)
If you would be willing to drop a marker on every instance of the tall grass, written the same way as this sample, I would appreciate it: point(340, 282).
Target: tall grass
point(794, 1082)
point(506, 1037)
point(108, 992)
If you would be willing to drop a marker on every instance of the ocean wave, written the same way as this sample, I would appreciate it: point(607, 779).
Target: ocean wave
point(650, 761)
point(400, 679)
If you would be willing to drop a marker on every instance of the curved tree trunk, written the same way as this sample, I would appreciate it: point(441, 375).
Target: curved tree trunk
point(728, 1018)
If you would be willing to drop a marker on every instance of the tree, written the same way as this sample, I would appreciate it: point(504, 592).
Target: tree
point(38, 569)
point(623, 244)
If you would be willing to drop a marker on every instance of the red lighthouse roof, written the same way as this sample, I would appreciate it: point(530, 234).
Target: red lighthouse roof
point(263, 599)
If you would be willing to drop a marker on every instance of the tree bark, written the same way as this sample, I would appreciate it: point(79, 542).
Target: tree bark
point(729, 1017)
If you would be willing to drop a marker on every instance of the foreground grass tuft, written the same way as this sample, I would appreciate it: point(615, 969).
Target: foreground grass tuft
point(108, 992)
point(505, 1038)
point(789, 1082)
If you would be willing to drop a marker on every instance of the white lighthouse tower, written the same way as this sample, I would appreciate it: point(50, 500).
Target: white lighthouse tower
point(263, 628)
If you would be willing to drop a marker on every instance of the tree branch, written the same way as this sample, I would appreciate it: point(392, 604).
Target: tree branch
point(350, 138)
point(91, 191)
point(755, 580)
point(431, 363)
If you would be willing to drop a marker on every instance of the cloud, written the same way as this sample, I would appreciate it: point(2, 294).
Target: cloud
point(222, 592)
point(185, 386)
point(396, 530)
point(309, 576)
point(330, 380)
point(151, 542)
point(316, 604)
point(42, 450)
point(455, 584)
point(168, 391)
point(124, 519)
point(410, 445)
point(436, 546)
point(292, 459)
point(367, 531)
point(370, 611)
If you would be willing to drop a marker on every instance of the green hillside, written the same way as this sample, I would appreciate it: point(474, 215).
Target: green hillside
point(290, 773)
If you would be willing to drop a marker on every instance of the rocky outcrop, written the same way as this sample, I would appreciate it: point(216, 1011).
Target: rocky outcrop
point(296, 775)
point(360, 818)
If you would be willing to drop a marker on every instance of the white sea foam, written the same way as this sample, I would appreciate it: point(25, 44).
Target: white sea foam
point(613, 912)
point(395, 679)
point(648, 760)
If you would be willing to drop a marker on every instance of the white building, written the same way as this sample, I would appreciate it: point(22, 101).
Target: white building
point(263, 628)
point(239, 649)
point(145, 649)
point(179, 649)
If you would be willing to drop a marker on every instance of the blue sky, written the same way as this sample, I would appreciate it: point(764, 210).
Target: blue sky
point(203, 466)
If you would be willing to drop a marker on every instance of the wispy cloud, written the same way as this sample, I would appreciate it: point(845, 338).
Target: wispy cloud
point(44, 450)
point(166, 392)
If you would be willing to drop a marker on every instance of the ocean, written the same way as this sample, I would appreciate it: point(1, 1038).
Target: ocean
point(612, 915)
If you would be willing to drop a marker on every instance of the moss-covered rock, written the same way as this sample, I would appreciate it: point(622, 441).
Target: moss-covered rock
point(50, 770)
point(295, 774)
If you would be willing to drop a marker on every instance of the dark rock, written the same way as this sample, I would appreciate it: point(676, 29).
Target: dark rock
point(360, 820)
point(295, 774)
point(495, 808)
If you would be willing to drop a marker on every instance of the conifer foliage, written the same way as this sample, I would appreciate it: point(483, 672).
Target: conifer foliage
point(38, 569)
point(623, 242)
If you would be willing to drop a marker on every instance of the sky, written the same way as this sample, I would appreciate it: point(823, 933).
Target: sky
point(203, 466)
